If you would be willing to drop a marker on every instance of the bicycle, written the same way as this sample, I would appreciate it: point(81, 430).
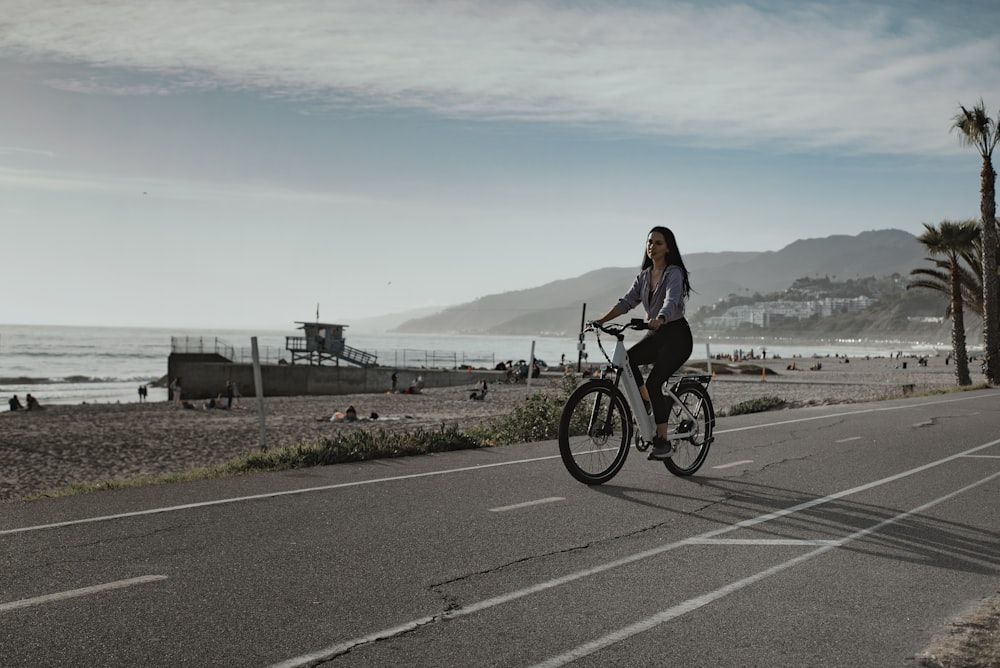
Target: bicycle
point(599, 419)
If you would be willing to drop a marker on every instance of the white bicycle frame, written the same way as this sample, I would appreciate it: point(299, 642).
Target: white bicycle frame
point(645, 422)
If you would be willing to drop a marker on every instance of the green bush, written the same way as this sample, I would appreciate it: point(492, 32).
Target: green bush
point(758, 405)
point(356, 446)
point(534, 419)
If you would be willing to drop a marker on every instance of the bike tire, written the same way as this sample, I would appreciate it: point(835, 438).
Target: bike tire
point(690, 452)
point(595, 431)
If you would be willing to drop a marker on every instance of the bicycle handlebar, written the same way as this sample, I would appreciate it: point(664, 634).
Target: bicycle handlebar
point(615, 328)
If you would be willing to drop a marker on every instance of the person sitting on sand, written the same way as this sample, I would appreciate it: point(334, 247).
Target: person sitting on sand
point(15, 403)
point(479, 393)
point(33, 403)
point(350, 415)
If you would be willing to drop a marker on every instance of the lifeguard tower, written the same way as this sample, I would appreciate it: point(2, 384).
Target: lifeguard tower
point(324, 342)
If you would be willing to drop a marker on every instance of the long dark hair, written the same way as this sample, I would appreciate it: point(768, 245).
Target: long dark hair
point(673, 255)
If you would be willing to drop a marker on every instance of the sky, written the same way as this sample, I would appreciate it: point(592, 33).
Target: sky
point(242, 164)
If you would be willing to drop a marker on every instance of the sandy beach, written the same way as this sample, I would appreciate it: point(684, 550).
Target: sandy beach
point(64, 444)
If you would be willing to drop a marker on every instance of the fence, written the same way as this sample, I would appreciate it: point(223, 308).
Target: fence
point(433, 359)
point(400, 357)
point(200, 345)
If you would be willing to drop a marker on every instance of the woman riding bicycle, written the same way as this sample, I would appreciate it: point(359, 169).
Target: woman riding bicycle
point(662, 287)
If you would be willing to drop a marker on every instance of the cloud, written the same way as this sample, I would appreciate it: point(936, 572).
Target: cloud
point(14, 150)
point(842, 76)
point(163, 188)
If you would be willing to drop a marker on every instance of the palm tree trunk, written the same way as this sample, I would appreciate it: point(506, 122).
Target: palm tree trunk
point(991, 320)
point(958, 328)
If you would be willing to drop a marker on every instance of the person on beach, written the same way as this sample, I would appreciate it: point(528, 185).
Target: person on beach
point(229, 394)
point(15, 403)
point(479, 392)
point(350, 415)
point(175, 392)
point(32, 403)
point(662, 287)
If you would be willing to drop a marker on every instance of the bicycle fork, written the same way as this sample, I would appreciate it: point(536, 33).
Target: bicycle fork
point(597, 425)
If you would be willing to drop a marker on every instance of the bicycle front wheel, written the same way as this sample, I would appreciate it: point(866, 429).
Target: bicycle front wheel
point(594, 432)
point(691, 450)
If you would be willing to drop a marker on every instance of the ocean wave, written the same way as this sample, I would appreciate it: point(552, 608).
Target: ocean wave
point(74, 380)
point(89, 352)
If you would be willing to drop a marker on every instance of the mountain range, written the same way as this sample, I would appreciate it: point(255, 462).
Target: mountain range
point(556, 308)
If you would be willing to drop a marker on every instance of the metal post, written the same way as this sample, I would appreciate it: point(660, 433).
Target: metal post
point(259, 386)
point(708, 357)
point(531, 365)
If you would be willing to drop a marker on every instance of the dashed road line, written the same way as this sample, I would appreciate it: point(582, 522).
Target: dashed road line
point(76, 593)
point(732, 464)
point(527, 504)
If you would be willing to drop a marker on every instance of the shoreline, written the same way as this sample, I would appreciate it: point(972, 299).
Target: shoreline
point(75, 443)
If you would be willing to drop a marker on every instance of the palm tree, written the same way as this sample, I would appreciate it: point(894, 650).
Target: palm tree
point(970, 276)
point(951, 240)
point(977, 129)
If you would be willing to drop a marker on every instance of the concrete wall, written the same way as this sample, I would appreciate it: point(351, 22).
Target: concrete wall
point(205, 376)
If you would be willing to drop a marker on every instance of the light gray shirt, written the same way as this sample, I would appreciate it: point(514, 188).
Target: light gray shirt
point(665, 300)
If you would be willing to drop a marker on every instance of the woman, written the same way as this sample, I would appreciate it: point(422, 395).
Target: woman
point(661, 287)
point(175, 392)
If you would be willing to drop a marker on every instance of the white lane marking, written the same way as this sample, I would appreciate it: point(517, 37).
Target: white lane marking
point(700, 601)
point(732, 464)
point(74, 593)
point(859, 412)
point(849, 438)
point(983, 456)
point(332, 651)
point(357, 483)
point(528, 504)
point(925, 423)
point(266, 495)
point(761, 541)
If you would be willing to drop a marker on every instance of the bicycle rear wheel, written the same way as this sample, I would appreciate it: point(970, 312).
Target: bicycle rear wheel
point(594, 432)
point(690, 452)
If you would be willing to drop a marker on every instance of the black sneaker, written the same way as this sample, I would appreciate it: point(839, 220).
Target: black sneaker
point(662, 449)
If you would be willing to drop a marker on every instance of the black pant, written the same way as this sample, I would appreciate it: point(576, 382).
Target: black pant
point(666, 349)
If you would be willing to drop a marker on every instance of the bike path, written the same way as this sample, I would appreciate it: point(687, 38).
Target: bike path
point(497, 557)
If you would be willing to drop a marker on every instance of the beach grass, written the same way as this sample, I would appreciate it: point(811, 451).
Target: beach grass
point(758, 405)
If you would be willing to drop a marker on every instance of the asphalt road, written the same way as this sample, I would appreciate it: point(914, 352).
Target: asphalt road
point(836, 536)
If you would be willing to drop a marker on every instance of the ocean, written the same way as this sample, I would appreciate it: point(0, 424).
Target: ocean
point(72, 365)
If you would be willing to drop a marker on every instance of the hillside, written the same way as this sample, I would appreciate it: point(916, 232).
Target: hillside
point(555, 308)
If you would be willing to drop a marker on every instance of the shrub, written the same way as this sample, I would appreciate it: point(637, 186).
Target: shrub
point(355, 447)
point(534, 419)
point(758, 405)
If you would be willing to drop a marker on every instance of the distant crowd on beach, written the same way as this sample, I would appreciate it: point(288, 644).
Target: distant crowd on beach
point(225, 400)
